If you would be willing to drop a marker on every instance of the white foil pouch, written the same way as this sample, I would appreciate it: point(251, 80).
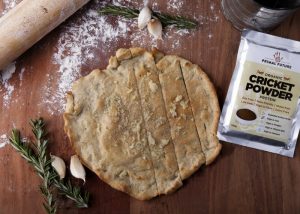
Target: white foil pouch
point(262, 106)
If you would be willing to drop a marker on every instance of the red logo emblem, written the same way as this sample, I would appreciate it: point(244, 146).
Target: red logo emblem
point(277, 57)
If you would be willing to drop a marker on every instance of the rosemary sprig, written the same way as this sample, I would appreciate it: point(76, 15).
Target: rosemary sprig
point(166, 20)
point(73, 193)
point(39, 159)
point(41, 165)
point(37, 127)
point(177, 21)
point(114, 10)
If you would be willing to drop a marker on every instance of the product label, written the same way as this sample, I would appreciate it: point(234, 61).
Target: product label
point(262, 106)
point(267, 98)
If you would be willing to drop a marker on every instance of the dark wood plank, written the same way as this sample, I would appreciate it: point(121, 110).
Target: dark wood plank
point(242, 180)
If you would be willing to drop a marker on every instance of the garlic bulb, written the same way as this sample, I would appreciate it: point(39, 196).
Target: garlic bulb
point(59, 165)
point(155, 28)
point(144, 17)
point(76, 168)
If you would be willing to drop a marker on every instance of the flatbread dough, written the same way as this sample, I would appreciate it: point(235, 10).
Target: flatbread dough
point(108, 132)
point(205, 106)
point(143, 126)
point(184, 134)
point(157, 126)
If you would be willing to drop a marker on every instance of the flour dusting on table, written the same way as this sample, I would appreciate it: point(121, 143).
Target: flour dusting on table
point(78, 42)
point(175, 5)
point(5, 85)
point(76, 47)
point(3, 140)
point(21, 74)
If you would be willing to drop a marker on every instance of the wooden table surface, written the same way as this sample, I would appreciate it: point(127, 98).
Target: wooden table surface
point(241, 180)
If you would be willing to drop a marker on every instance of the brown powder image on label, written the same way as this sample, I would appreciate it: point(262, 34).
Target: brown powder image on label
point(246, 114)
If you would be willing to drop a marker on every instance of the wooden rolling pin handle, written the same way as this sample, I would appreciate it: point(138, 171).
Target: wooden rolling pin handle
point(30, 21)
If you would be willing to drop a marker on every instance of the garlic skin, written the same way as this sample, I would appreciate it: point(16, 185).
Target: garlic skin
point(155, 28)
point(144, 17)
point(76, 168)
point(59, 165)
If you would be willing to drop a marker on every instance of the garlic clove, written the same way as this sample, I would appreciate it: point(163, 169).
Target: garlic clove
point(155, 28)
point(144, 17)
point(59, 165)
point(76, 168)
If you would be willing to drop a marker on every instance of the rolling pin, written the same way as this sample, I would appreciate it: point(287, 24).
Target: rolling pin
point(30, 21)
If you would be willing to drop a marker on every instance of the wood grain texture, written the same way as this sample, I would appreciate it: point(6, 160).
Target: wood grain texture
point(242, 180)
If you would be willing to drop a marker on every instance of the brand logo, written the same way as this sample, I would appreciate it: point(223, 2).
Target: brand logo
point(277, 60)
point(277, 57)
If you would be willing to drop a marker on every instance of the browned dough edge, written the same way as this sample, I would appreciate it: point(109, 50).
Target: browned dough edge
point(213, 153)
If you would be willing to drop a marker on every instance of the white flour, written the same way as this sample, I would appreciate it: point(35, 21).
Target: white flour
point(21, 74)
point(3, 140)
point(175, 5)
point(5, 86)
point(76, 47)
